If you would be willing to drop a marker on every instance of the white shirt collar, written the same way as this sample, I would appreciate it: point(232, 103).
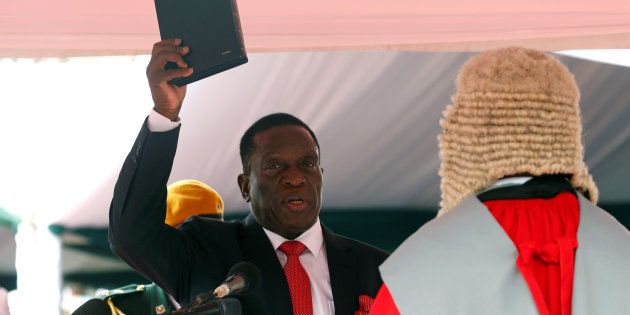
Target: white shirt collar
point(509, 181)
point(313, 238)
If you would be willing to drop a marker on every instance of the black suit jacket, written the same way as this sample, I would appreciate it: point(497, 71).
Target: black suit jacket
point(196, 257)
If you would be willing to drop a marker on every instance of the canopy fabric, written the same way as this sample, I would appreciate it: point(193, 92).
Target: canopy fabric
point(63, 28)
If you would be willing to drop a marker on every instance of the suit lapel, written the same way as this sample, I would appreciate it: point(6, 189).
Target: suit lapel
point(258, 249)
point(342, 275)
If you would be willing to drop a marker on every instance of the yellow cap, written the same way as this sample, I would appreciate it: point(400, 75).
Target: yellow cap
point(191, 197)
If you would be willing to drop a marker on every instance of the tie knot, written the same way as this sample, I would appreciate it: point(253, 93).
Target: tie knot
point(292, 248)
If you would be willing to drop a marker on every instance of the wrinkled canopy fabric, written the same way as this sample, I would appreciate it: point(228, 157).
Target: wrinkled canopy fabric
point(63, 28)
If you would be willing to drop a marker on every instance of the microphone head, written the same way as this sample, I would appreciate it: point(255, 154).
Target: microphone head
point(225, 306)
point(93, 307)
point(250, 272)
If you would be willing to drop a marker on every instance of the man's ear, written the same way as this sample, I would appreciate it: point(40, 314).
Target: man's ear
point(243, 184)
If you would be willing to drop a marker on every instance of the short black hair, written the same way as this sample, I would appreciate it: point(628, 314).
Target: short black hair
point(247, 146)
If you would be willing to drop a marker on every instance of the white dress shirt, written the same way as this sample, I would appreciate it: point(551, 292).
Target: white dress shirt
point(313, 259)
point(315, 263)
point(159, 123)
point(508, 181)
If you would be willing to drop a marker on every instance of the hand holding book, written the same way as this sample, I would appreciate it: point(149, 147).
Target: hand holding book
point(168, 98)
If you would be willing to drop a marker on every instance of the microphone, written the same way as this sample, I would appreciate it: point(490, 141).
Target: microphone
point(227, 306)
point(93, 307)
point(243, 278)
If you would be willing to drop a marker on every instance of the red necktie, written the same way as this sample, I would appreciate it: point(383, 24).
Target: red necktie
point(297, 278)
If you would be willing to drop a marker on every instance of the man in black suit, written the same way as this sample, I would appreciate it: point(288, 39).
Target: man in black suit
point(281, 180)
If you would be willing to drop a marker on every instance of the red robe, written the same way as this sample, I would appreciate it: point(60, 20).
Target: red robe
point(545, 233)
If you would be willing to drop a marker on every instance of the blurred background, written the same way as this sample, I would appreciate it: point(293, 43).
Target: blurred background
point(371, 80)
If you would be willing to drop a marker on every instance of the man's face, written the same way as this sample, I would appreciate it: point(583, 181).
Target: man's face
point(284, 183)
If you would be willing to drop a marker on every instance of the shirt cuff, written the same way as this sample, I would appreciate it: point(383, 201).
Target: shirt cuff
point(159, 123)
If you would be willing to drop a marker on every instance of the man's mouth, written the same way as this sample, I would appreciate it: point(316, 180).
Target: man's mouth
point(296, 204)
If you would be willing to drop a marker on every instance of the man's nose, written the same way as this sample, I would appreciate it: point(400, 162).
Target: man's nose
point(293, 178)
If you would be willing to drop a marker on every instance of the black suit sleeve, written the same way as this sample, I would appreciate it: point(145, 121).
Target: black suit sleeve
point(137, 232)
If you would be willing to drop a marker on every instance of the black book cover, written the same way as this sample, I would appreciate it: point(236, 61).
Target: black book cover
point(212, 30)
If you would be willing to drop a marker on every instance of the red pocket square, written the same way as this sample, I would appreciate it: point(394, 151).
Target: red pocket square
point(365, 304)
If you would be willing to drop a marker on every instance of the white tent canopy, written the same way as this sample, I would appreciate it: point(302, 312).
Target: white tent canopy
point(40, 28)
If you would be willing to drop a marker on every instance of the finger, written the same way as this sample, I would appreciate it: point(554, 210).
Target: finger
point(167, 56)
point(173, 41)
point(169, 42)
point(164, 76)
point(156, 72)
point(169, 46)
point(161, 45)
point(183, 51)
point(176, 73)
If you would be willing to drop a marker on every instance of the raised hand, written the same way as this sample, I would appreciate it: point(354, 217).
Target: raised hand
point(167, 97)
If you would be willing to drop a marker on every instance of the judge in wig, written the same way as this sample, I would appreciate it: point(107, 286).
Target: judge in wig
point(518, 230)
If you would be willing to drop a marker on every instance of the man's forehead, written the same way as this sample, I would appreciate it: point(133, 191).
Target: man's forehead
point(275, 139)
point(284, 133)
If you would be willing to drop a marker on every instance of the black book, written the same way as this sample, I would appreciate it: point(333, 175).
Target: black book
point(212, 30)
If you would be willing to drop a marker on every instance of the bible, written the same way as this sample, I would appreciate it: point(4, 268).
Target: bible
point(212, 30)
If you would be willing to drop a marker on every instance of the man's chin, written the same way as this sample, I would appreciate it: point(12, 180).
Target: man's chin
point(301, 226)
